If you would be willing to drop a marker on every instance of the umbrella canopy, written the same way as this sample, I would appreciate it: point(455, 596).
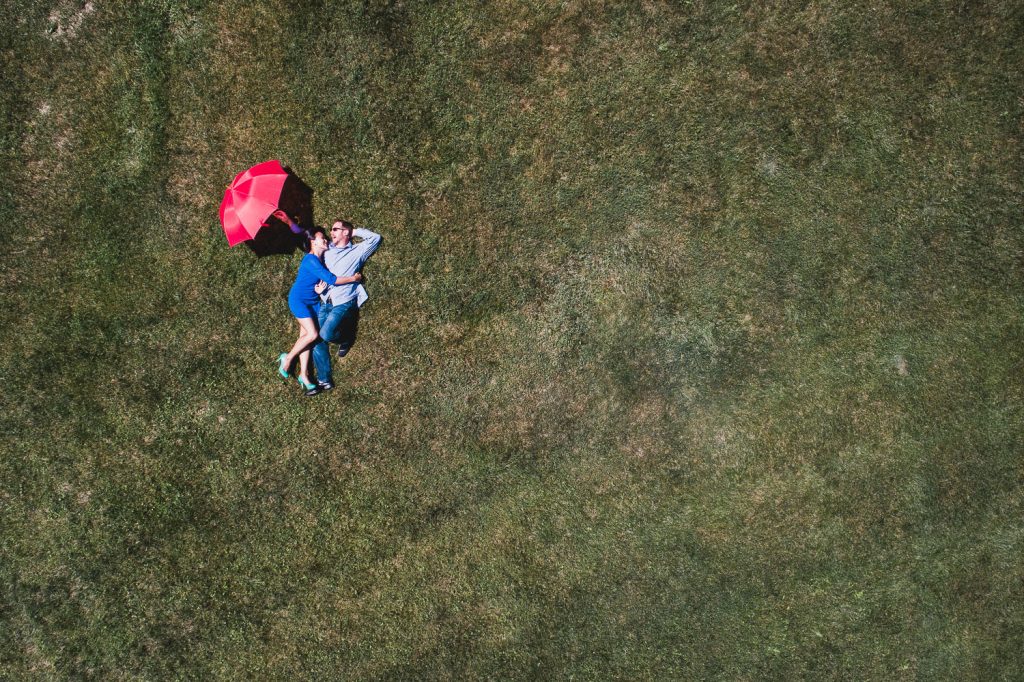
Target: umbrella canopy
point(250, 199)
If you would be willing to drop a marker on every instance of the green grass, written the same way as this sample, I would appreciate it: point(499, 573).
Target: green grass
point(694, 346)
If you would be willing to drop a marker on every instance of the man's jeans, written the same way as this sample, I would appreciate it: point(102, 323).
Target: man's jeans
point(338, 324)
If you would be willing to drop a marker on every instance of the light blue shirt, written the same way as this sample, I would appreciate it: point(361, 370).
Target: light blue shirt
point(347, 261)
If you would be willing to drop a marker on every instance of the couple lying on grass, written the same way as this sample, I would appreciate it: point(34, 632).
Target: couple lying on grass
point(325, 298)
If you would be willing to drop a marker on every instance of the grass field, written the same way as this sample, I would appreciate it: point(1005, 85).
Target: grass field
point(694, 347)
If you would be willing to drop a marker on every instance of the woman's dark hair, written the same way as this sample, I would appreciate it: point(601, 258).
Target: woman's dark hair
point(308, 236)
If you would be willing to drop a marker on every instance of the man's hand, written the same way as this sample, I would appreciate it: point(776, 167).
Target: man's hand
point(320, 287)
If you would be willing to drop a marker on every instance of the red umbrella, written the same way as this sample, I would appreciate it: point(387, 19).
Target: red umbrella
point(250, 200)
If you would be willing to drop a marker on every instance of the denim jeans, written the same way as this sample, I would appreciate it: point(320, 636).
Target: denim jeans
point(338, 324)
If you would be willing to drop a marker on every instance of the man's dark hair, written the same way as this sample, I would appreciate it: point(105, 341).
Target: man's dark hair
point(308, 236)
point(347, 224)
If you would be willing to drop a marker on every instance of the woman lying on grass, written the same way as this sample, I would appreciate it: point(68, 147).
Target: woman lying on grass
point(312, 279)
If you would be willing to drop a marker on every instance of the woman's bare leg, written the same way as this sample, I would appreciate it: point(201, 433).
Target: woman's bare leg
point(304, 365)
point(307, 335)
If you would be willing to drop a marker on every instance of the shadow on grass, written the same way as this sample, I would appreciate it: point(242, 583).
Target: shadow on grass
point(276, 238)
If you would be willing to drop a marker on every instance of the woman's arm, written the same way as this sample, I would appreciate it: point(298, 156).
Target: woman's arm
point(283, 217)
point(327, 276)
point(351, 279)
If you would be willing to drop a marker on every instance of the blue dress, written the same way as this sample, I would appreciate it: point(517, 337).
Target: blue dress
point(303, 300)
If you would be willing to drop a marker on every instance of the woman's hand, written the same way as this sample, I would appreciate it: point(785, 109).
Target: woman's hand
point(320, 287)
point(351, 279)
point(283, 217)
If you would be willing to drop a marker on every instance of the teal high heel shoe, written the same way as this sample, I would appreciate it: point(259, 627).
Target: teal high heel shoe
point(281, 369)
point(306, 386)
